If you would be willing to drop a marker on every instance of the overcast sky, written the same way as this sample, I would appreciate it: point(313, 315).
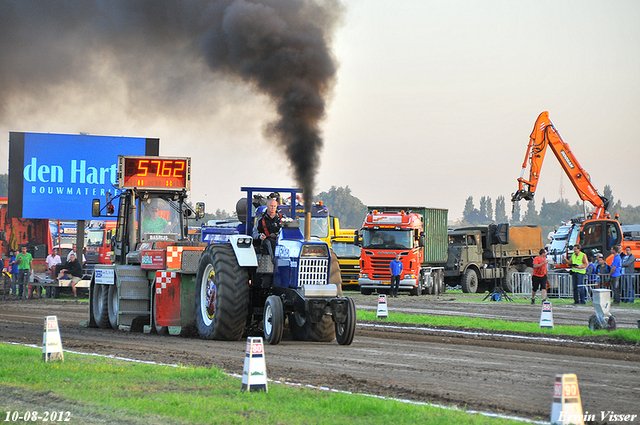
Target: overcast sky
point(434, 102)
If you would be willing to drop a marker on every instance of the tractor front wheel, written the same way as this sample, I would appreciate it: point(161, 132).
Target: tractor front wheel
point(273, 321)
point(347, 330)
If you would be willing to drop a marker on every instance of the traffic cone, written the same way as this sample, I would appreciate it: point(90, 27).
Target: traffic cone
point(546, 315)
point(51, 343)
point(254, 376)
point(382, 306)
point(566, 407)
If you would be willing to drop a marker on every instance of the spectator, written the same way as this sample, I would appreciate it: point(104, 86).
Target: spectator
point(396, 272)
point(52, 260)
point(13, 264)
point(24, 260)
point(578, 265)
point(73, 268)
point(539, 279)
point(602, 270)
point(628, 268)
point(616, 271)
point(74, 251)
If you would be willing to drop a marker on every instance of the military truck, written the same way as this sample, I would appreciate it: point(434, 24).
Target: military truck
point(481, 256)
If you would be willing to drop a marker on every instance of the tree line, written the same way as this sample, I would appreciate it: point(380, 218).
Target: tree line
point(550, 216)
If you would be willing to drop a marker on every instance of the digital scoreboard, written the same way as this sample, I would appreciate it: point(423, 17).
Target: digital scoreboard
point(154, 172)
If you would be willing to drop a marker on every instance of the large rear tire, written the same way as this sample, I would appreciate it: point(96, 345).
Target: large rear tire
point(113, 306)
point(347, 330)
point(303, 330)
point(222, 294)
point(273, 321)
point(335, 276)
point(469, 282)
point(100, 302)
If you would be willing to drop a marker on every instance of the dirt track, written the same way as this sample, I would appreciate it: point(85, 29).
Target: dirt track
point(497, 373)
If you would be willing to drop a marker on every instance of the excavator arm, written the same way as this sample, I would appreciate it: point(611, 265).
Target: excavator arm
point(545, 135)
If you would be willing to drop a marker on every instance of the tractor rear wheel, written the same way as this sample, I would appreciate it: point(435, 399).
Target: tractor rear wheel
point(113, 306)
point(303, 330)
point(222, 294)
point(469, 282)
point(335, 276)
point(273, 321)
point(347, 330)
point(100, 302)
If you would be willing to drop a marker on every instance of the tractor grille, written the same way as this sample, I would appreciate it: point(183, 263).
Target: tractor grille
point(313, 271)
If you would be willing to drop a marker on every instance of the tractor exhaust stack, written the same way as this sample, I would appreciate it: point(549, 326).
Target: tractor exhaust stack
point(307, 225)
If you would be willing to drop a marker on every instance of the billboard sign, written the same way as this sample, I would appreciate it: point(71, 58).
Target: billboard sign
point(56, 176)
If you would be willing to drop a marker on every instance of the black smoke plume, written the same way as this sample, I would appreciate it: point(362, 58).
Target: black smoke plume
point(279, 47)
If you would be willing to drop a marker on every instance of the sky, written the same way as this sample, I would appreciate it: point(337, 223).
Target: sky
point(432, 102)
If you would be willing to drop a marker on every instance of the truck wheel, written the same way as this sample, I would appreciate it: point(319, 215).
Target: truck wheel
point(469, 282)
point(100, 301)
point(347, 330)
point(113, 306)
point(418, 290)
point(273, 321)
point(222, 294)
point(442, 287)
point(507, 280)
point(303, 330)
point(365, 291)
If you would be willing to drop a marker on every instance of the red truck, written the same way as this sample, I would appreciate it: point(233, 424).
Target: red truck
point(388, 231)
point(98, 243)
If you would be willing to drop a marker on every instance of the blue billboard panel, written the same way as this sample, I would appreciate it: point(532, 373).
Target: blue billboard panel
point(56, 176)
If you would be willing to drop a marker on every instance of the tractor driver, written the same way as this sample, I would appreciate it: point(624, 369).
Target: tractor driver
point(154, 223)
point(268, 226)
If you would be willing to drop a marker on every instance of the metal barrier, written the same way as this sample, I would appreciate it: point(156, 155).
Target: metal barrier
point(520, 284)
point(629, 287)
point(561, 285)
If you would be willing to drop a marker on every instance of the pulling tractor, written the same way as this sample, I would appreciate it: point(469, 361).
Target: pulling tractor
point(230, 297)
point(161, 281)
point(150, 284)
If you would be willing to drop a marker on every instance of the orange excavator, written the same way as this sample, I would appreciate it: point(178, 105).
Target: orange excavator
point(598, 232)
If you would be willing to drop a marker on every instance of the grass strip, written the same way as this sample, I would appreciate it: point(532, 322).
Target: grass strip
point(497, 325)
point(103, 390)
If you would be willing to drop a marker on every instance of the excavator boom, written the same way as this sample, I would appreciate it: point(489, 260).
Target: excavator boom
point(543, 136)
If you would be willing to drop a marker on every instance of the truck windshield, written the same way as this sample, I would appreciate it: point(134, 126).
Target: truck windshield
point(345, 249)
point(319, 226)
point(386, 239)
point(95, 238)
